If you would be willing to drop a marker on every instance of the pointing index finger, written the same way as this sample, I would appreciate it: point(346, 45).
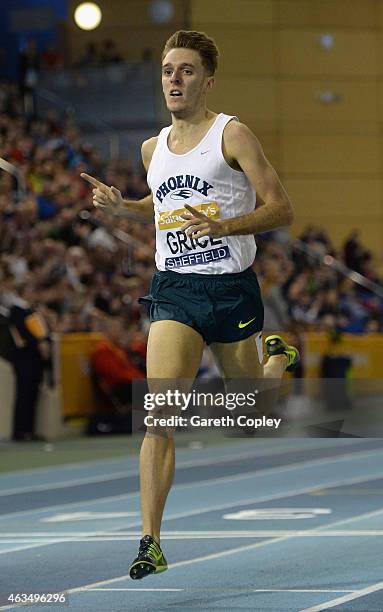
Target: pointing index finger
point(194, 211)
point(93, 181)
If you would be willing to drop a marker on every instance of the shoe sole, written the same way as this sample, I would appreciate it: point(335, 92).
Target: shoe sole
point(145, 568)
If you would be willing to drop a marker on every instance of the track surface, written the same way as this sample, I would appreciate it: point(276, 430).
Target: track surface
point(280, 525)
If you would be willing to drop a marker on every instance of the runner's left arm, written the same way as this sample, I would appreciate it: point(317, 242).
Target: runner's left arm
point(243, 149)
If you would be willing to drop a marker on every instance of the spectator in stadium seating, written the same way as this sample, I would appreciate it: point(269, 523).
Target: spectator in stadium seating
point(273, 270)
point(318, 239)
point(374, 325)
point(353, 252)
point(113, 363)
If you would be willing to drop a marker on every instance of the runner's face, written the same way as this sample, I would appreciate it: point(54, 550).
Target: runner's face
point(184, 81)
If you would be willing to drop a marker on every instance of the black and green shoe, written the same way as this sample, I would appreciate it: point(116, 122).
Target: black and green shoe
point(275, 345)
point(150, 559)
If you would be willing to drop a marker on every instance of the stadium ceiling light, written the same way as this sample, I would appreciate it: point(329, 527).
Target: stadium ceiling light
point(328, 97)
point(161, 11)
point(87, 16)
point(326, 41)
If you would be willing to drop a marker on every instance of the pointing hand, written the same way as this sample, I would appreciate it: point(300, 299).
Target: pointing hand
point(198, 224)
point(104, 196)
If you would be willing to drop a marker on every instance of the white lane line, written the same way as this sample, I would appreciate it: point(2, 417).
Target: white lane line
point(18, 548)
point(281, 469)
point(250, 454)
point(127, 473)
point(217, 555)
point(264, 449)
point(243, 502)
point(244, 590)
point(66, 483)
point(221, 480)
point(221, 506)
point(255, 500)
point(346, 598)
point(87, 503)
point(302, 591)
point(30, 472)
point(185, 535)
point(191, 532)
point(146, 590)
point(135, 472)
point(273, 541)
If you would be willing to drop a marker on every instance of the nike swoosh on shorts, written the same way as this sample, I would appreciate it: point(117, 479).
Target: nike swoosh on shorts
point(242, 325)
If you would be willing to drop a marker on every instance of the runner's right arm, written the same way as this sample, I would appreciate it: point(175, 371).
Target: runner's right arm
point(111, 198)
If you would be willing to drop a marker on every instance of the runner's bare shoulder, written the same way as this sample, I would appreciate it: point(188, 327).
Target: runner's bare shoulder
point(147, 150)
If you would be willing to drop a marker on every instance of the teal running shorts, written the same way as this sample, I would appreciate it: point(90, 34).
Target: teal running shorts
point(221, 307)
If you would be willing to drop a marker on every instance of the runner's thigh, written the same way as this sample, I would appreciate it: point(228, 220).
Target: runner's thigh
point(239, 359)
point(174, 350)
point(173, 357)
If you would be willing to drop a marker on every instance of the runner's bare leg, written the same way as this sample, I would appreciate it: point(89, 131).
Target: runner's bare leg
point(240, 360)
point(174, 352)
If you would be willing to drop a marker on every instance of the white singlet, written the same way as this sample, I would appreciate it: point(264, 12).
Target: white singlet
point(201, 178)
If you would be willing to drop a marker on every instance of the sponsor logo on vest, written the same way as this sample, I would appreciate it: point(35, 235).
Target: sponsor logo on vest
point(183, 181)
point(181, 194)
point(171, 219)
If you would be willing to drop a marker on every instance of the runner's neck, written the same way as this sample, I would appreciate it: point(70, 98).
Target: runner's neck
point(187, 133)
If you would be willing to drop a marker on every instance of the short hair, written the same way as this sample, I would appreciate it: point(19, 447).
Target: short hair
point(199, 41)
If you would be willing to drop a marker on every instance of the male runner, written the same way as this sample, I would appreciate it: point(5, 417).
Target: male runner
point(203, 172)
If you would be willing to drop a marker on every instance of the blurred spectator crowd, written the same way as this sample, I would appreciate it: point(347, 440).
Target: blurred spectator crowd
point(66, 259)
point(302, 289)
point(57, 252)
point(62, 268)
point(32, 59)
point(68, 267)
